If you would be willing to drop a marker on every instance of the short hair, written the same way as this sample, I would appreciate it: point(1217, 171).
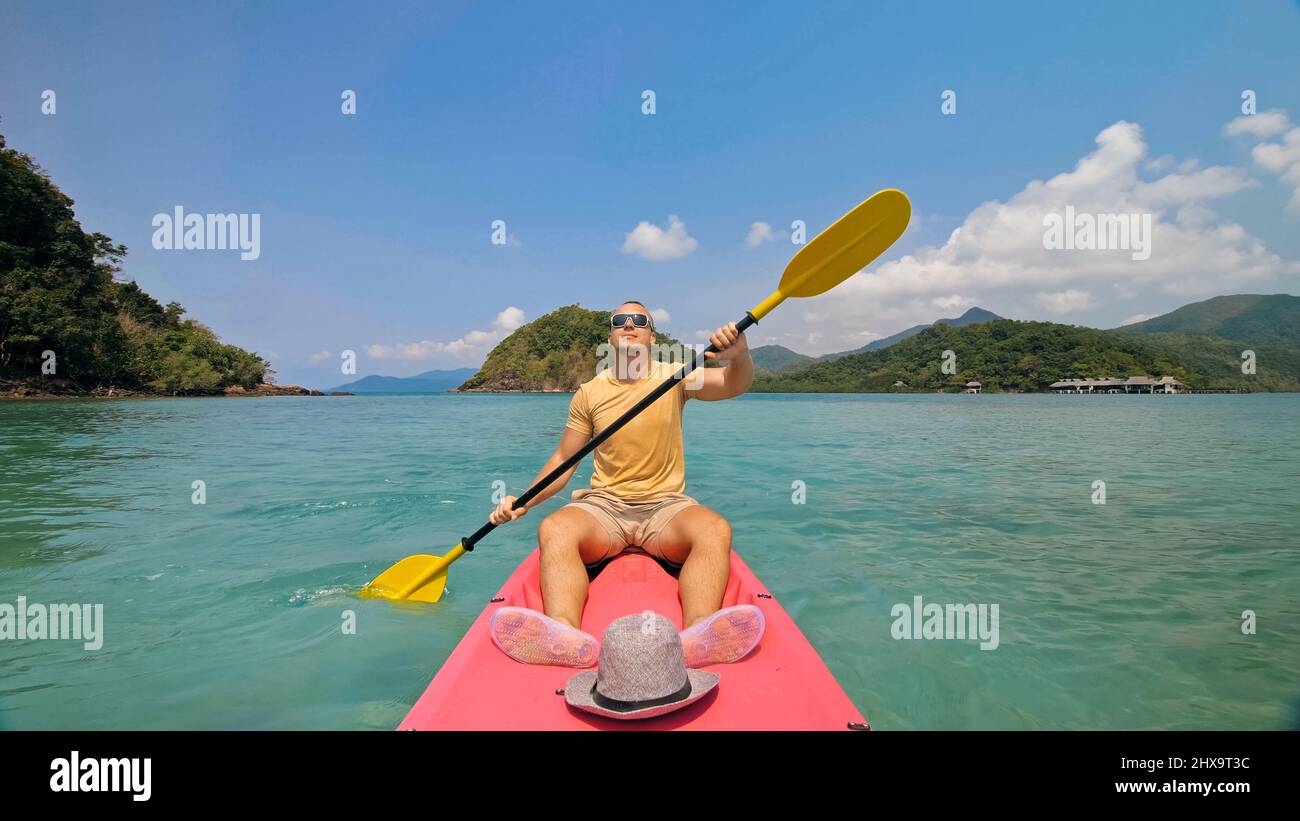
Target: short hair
point(643, 305)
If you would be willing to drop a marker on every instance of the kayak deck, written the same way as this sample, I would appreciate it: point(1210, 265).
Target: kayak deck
point(782, 685)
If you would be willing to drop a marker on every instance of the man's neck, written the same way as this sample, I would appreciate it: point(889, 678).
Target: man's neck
point(633, 365)
point(630, 379)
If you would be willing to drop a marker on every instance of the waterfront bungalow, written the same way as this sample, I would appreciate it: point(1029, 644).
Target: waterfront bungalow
point(1131, 384)
point(973, 387)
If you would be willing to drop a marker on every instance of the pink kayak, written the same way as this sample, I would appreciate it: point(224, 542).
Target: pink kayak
point(782, 685)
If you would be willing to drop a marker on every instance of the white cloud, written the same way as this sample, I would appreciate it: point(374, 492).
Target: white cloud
point(649, 241)
point(1063, 302)
point(1160, 163)
point(661, 316)
point(955, 302)
point(1263, 124)
point(509, 319)
point(1137, 318)
point(318, 357)
point(1281, 158)
point(759, 233)
point(469, 349)
point(996, 254)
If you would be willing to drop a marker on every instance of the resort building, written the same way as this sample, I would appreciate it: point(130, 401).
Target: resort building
point(973, 387)
point(1131, 384)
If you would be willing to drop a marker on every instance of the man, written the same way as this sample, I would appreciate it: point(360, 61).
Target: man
point(636, 499)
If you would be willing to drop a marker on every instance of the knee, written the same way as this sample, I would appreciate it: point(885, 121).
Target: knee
point(718, 531)
point(554, 535)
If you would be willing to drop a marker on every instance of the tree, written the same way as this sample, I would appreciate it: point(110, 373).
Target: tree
point(59, 292)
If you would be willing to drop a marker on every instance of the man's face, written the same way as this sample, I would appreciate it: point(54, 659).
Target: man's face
point(628, 334)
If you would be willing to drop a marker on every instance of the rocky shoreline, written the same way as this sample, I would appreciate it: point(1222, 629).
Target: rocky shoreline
point(67, 389)
point(266, 389)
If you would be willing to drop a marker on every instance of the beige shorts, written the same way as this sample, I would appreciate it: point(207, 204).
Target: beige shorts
point(637, 524)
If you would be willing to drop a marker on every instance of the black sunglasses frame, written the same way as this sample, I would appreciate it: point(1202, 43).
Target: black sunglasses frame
point(614, 320)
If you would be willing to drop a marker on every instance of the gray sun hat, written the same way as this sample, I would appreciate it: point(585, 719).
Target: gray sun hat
point(642, 672)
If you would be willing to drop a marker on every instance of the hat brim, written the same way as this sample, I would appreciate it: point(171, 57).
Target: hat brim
point(578, 693)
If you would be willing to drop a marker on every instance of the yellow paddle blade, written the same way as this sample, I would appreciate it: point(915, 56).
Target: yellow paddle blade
point(419, 578)
point(848, 246)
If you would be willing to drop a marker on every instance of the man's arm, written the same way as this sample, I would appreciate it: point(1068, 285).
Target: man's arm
point(570, 443)
point(736, 377)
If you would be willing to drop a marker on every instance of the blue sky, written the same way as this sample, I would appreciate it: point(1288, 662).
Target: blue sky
point(375, 228)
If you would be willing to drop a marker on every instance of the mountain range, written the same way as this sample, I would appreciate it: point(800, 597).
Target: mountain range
point(1200, 344)
point(1253, 318)
point(1191, 344)
point(427, 382)
point(778, 358)
point(971, 317)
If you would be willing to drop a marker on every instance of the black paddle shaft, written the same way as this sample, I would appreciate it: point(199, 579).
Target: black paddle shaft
point(469, 541)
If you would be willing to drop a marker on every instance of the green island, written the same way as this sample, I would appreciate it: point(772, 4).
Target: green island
point(554, 353)
point(69, 326)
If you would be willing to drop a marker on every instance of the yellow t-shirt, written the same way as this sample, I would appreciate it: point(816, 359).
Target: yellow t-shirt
point(644, 459)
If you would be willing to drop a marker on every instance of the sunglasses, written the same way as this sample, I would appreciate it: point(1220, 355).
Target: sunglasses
point(619, 320)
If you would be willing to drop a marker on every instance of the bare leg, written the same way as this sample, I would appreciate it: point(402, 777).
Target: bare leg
point(700, 539)
point(568, 538)
point(712, 635)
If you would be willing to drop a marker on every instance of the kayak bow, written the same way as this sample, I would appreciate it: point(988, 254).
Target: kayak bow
point(782, 685)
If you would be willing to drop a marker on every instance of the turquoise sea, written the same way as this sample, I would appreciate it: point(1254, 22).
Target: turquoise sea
point(229, 614)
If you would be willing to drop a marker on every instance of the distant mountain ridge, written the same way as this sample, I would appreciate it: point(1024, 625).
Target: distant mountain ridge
point(1010, 355)
point(771, 359)
point(971, 317)
point(777, 358)
point(427, 382)
point(1253, 318)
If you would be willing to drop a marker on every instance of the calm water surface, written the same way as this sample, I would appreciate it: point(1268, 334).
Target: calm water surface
point(228, 614)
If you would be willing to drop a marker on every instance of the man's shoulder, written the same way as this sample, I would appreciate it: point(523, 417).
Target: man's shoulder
point(593, 382)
